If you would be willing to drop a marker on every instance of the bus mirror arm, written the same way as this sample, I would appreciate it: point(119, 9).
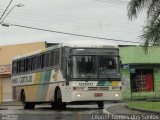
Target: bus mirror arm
point(69, 63)
point(121, 63)
point(67, 80)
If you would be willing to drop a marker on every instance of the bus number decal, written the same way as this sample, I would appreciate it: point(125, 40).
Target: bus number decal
point(85, 84)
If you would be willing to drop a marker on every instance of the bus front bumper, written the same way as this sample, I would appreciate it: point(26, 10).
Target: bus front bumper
point(96, 96)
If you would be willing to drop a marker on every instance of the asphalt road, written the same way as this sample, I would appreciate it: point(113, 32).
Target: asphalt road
point(45, 112)
point(73, 112)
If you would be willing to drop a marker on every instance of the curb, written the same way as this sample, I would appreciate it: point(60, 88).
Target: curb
point(141, 110)
point(11, 104)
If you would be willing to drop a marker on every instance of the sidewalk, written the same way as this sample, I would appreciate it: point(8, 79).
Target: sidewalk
point(11, 103)
point(123, 109)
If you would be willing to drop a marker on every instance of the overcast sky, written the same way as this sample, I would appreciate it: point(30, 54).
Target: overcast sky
point(98, 18)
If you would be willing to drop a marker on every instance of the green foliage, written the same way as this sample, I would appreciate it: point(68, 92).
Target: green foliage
point(151, 32)
point(144, 105)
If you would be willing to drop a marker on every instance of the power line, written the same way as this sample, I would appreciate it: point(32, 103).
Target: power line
point(52, 20)
point(27, 12)
point(67, 33)
point(93, 27)
point(120, 2)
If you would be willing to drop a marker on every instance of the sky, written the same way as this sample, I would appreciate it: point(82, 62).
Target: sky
point(96, 18)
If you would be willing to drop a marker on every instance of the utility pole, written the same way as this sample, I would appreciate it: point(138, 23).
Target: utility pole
point(0, 23)
point(5, 10)
point(18, 5)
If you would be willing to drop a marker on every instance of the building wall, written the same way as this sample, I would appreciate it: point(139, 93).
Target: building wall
point(1, 90)
point(126, 91)
point(135, 55)
point(10, 51)
point(7, 53)
point(157, 82)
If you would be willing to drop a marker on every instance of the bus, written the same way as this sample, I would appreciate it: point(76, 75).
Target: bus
point(74, 72)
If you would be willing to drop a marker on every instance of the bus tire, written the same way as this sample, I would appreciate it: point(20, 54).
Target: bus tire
point(29, 105)
point(58, 104)
point(100, 105)
point(26, 105)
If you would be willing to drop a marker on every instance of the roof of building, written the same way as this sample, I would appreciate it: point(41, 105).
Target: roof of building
point(137, 55)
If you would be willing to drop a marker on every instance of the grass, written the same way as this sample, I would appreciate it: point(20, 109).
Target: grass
point(144, 105)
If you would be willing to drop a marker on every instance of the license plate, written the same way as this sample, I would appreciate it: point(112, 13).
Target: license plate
point(98, 94)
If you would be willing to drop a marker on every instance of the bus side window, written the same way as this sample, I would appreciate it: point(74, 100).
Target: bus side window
point(52, 58)
point(57, 54)
point(29, 64)
point(46, 60)
point(18, 68)
point(39, 57)
point(26, 64)
point(14, 67)
point(42, 60)
point(22, 66)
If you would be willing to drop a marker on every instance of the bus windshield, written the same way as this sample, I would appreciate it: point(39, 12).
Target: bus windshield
point(94, 66)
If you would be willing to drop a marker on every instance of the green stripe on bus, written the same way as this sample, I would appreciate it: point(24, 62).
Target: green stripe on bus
point(104, 83)
point(43, 89)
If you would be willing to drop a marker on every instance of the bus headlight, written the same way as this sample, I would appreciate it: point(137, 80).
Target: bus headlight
point(78, 95)
point(116, 95)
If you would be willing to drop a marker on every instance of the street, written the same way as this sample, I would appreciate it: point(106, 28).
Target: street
point(45, 112)
point(72, 112)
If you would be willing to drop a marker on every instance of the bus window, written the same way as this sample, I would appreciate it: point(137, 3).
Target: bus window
point(14, 67)
point(42, 60)
point(29, 64)
point(84, 66)
point(38, 62)
point(26, 64)
point(46, 59)
point(18, 69)
point(52, 58)
point(107, 65)
point(57, 54)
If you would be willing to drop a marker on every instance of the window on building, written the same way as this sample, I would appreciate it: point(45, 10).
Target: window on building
point(142, 80)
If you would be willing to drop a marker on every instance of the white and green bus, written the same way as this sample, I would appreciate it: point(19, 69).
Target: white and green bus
point(75, 72)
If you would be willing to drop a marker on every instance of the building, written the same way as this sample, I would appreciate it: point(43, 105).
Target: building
point(6, 55)
point(140, 72)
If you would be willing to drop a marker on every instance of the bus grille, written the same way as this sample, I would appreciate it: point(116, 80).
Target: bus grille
point(98, 88)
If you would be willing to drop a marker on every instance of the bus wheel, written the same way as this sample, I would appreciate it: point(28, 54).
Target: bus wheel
point(29, 105)
point(100, 105)
point(26, 105)
point(58, 104)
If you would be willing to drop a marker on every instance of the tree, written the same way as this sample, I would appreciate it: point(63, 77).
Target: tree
point(151, 32)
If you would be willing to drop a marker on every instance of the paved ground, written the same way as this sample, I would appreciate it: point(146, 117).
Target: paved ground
point(122, 109)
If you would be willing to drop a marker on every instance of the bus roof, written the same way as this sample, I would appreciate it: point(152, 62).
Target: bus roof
point(74, 43)
point(90, 44)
